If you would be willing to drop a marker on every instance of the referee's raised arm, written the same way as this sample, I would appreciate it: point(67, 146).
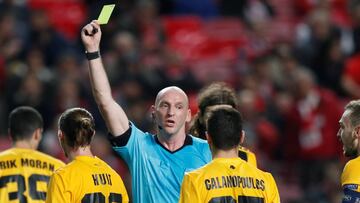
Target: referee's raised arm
point(114, 116)
point(157, 162)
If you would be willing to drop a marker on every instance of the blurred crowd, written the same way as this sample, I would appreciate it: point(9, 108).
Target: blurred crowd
point(294, 64)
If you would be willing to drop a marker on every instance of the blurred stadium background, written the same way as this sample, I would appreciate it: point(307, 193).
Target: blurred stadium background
point(293, 63)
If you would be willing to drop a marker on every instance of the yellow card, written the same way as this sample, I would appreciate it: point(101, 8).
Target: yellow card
point(105, 14)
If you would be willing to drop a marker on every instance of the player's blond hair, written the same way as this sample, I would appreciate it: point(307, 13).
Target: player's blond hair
point(354, 108)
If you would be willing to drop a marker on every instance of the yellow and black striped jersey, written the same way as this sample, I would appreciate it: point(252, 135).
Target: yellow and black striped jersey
point(247, 155)
point(228, 180)
point(87, 180)
point(24, 175)
point(350, 181)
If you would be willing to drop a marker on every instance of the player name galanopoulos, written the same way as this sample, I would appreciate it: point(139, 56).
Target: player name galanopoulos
point(234, 181)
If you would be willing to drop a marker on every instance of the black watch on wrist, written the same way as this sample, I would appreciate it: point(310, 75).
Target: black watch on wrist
point(92, 55)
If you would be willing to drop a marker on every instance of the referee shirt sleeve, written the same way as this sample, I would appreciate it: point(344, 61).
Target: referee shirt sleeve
point(121, 140)
point(127, 144)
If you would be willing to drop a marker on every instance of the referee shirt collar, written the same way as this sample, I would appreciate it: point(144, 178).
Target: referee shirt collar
point(188, 141)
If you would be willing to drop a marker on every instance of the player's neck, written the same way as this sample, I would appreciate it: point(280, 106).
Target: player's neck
point(24, 144)
point(232, 153)
point(81, 151)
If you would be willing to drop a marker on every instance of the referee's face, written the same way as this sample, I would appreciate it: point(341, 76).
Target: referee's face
point(172, 112)
point(347, 135)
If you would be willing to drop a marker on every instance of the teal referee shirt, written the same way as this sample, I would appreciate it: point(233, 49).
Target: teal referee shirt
point(156, 172)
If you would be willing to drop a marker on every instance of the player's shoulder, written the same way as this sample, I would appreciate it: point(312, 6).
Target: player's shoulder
point(350, 173)
point(268, 176)
point(262, 172)
point(82, 163)
point(19, 152)
point(105, 165)
point(197, 173)
point(353, 163)
point(255, 171)
point(7, 153)
point(247, 155)
point(214, 166)
point(68, 169)
point(49, 158)
point(16, 152)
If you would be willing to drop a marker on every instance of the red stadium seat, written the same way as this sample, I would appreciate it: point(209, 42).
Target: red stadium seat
point(175, 24)
point(66, 15)
point(183, 34)
point(225, 36)
point(195, 39)
point(213, 69)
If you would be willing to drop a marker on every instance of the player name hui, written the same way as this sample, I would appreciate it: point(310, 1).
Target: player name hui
point(102, 179)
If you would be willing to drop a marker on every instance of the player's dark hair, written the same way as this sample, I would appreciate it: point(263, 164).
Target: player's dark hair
point(23, 121)
point(354, 107)
point(78, 126)
point(214, 94)
point(224, 126)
